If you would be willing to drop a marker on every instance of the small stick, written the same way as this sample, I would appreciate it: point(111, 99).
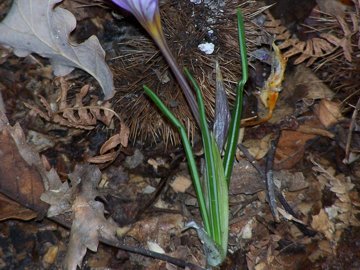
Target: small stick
point(137, 250)
point(264, 177)
point(351, 128)
point(152, 254)
point(278, 194)
point(66, 223)
point(269, 178)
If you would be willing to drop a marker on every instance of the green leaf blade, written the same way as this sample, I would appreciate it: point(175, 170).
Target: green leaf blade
point(188, 151)
point(234, 129)
point(222, 195)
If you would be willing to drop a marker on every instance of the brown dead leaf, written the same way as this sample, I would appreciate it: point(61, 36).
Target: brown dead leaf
point(157, 228)
point(110, 144)
point(118, 139)
point(328, 112)
point(109, 150)
point(322, 223)
point(102, 158)
point(302, 83)
point(89, 222)
point(333, 7)
point(124, 134)
point(290, 148)
point(343, 212)
point(181, 183)
point(258, 148)
point(245, 179)
point(22, 174)
point(291, 145)
point(82, 9)
point(325, 248)
point(12, 210)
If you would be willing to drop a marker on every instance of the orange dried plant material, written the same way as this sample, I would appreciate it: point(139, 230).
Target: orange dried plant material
point(347, 2)
point(273, 85)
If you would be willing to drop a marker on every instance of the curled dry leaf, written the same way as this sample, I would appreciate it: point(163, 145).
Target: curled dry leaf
point(116, 140)
point(258, 148)
point(111, 143)
point(291, 148)
point(108, 151)
point(108, 157)
point(37, 27)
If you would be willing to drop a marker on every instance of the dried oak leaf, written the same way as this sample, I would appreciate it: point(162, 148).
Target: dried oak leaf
point(37, 27)
point(23, 177)
point(89, 223)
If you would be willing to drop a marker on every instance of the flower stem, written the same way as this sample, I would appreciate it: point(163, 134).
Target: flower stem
point(190, 98)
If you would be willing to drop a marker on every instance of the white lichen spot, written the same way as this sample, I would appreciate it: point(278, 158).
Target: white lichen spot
point(246, 232)
point(207, 47)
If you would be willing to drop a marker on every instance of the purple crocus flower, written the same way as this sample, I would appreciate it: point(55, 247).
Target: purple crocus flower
point(141, 9)
point(147, 13)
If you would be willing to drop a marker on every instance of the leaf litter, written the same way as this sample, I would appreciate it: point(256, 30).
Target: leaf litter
point(324, 197)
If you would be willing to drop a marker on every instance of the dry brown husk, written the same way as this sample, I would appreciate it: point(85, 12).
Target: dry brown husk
point(138, 62)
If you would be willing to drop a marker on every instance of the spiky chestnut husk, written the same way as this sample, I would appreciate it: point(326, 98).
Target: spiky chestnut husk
point(138, 62)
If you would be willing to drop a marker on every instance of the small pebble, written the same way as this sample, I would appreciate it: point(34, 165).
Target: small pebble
point(206, 47)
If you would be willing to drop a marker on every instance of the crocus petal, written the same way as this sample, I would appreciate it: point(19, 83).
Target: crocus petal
point(122, 4)
point(143, 10)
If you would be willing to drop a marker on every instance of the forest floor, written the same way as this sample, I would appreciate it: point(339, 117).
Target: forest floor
point(117, 166)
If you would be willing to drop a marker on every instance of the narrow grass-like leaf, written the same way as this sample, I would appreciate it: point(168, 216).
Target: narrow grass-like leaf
point(210, 174)
point(223, 196)
point(237, 111)
point(188, 151)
